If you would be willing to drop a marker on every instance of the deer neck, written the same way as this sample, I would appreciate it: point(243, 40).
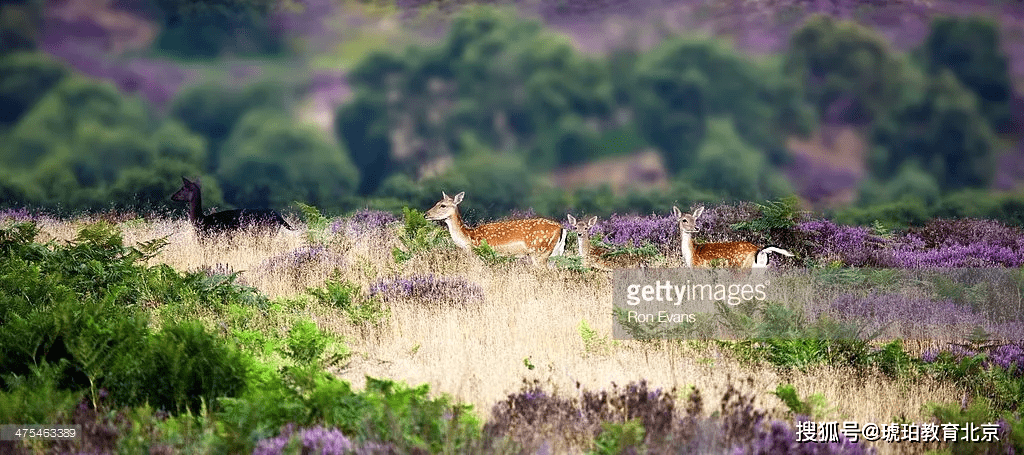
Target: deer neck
point(584, 245)
point(687, 244)
point(459, 232)
point(195, 209)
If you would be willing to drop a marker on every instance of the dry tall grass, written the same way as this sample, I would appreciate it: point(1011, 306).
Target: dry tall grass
point(476, 353)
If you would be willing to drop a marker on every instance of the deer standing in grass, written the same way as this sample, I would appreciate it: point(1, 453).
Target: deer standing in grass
point(538, 238)
point(735, 254)
point(593, 256)
point(264, 220)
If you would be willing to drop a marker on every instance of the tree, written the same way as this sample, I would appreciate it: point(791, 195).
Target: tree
point(270, 161)
point(213, 109)
point(671, 112)
point(208, 28)
point(941, 129)
point(76, 106)
point(362, 126)
point(25, 77)
point(971, 49)
point(727, 165)
point(848, 71)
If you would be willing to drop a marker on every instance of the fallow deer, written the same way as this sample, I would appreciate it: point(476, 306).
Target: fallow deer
point(537, 238)
point(226, 221)
point(735, 254)
point(593, 256)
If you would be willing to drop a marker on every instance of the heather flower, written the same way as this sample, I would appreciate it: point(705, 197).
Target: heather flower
point(318, 440)
point(637, 231)
point(780, 437)
point(909, 317)
point(303, 258)
point(853, 246)
point(16, 215)
point(429, 288)
point(1009, 357)
point(363, 222)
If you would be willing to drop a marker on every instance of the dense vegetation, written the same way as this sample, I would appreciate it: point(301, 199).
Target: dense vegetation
point(507, 99)
point(96, 337)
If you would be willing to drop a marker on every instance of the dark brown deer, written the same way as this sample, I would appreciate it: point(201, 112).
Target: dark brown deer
point(262, 220)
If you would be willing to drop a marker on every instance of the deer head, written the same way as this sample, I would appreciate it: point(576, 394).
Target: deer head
point(582, 227)
point(188, 192)
point(444, 208)
point(687, 221)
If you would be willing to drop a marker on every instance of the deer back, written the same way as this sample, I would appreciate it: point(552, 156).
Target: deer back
point(518, 237)
point(735, 254)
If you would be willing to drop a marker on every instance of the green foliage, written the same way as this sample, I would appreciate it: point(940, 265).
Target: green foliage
point(20, 25)
point(348, 297)
point(36, 397)
point(814, 406)
point(417, 236)
point(1001, 389)
point(725, 164)
point(593, 342)
point(764, 106)
point(85, 145)
point(25, 78)
point(940, 129)
point(491, 257)
point(617, 438)
point(970, 47)
point(570, 142)
point(978, 413)
point(780, 214)
point(385, 411)
point(316, 224)
point(77, 316)
point(671, 111)
point(270, 160)
point(911, 181)
point(362, 126)
point(76, 110)
point(208, 29)
point(845, 62)
point(306, 346)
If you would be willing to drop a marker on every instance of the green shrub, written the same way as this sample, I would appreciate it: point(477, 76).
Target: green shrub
point(417, 235)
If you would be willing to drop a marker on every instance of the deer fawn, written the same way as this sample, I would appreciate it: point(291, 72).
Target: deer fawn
point(228, 220)
point(537, 237)
point(592, 256)
point(735, 254)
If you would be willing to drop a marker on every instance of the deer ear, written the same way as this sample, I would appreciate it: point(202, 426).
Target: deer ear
point(185, 180)
point(458, 198)
point(572, 220)
point(675, 211)
point(700, 210)
point(592, 221)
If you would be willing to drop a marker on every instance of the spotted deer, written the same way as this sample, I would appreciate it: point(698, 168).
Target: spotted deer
point(265, 221)
point(595, 256)
point(734, 254)
point(537, 238)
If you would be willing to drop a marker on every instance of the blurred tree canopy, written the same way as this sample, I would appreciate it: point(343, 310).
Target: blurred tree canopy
point(270, 160)
point(847, 70)
point(970, 48)
point(939, 128)
point(25, 77)
point(494, 105)
point(209, 28)
point(85, 145)
point(20, 23)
